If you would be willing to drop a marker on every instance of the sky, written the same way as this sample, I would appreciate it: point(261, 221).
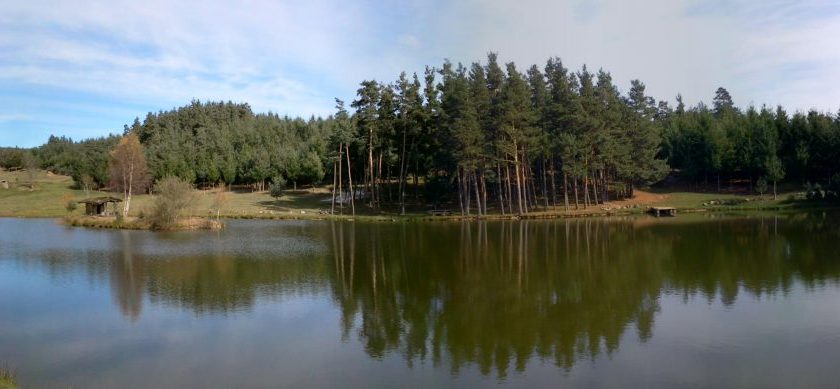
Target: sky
point(85, 68)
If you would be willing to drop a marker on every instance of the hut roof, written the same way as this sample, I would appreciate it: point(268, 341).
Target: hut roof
point(101, 200)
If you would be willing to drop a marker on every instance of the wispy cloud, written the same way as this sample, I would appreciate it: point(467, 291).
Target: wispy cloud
point(77, 66)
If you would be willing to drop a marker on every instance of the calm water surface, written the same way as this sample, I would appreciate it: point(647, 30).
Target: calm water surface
point(705, 300)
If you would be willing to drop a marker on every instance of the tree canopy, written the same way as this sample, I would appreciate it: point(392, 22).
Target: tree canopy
point(479, 136)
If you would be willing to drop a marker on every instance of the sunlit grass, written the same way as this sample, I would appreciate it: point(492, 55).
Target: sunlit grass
point(7, 378)
point(50, 194)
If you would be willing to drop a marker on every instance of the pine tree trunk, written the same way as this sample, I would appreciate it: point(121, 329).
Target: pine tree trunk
point(606, 187)
point(335, 170)
point(460, 193)
point(544, 184)
point(477, 195)
point(379, 179)
point(585, 191)
point(340, 191)
point(509, 187)
point(370, 178)
point(501, 194)
point(466, 192)
point(553, 176)
point(518, 180)
point(402, 176)
point(566, 191)
point(577, 200)
point(350, 181)
point(483, 192)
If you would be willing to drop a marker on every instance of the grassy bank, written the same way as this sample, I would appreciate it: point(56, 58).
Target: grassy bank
point(7, 379)
point(135, 223)
point(50, 194)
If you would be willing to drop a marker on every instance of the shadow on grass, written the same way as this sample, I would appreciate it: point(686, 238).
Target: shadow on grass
point(273, 205)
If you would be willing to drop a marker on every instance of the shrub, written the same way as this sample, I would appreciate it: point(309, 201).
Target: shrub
point(277, 186)
point(174, 196)
point(69, 204)
point(761, 186)
point(814, 192)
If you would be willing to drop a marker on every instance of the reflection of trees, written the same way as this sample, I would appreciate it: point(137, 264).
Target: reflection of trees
point(211, 284)
point(499, 294)
point(128, 279)
point(224, 278)
point(494, 295)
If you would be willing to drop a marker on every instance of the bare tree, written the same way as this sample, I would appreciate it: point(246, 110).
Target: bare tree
point(128, 169)
point(220, 199)
point(30, 164)
point(87, 184)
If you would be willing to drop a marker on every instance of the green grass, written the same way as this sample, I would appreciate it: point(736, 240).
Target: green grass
point(49, 196)
point(7, 379)
point(693, 201)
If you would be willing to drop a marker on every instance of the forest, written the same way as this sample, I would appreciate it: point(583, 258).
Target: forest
point(482, 138)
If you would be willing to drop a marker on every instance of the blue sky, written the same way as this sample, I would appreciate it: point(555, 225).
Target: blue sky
point(86, 68)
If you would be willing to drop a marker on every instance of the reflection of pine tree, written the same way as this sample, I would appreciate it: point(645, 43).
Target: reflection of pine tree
point(496, 295)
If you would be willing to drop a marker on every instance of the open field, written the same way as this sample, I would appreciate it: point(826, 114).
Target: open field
point(50, 193)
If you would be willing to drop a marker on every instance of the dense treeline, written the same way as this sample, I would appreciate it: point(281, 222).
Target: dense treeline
point(757, 145)
point(502, 138)
point(85, 161)
point(226, 142)
point(488, 137)
point(205, 143)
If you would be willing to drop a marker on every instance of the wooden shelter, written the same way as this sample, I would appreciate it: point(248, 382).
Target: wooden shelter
point(663, 211)
point(98, 206)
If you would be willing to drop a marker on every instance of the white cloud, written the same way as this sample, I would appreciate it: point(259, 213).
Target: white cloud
point(294, 57)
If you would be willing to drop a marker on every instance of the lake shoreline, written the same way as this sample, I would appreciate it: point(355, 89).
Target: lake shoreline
point(133, 223)
point(195, 223)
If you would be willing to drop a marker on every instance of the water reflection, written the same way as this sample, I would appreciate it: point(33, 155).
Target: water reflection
point(500, 294)
point(494, 295)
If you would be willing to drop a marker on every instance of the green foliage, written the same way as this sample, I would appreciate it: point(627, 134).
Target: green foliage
point(71, 205)
point(78, 159)
point(458, 129)
point(278, 185)
point(11, 157)
point(761, 185)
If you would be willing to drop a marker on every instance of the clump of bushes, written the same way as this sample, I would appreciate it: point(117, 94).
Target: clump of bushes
point(278, 184)
point(725, 202)
point(816, 192)
point(174, 196)
point(70, 205)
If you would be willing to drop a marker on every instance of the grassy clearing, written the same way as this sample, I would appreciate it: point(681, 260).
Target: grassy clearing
point(51, 193)
point(7, 379)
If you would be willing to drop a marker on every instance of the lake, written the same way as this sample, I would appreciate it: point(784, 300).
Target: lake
point(702, 300)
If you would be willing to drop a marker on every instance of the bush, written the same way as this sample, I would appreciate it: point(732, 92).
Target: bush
point(277, 186)
point(174, 196)
point(761, 186)
point(71, 206)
